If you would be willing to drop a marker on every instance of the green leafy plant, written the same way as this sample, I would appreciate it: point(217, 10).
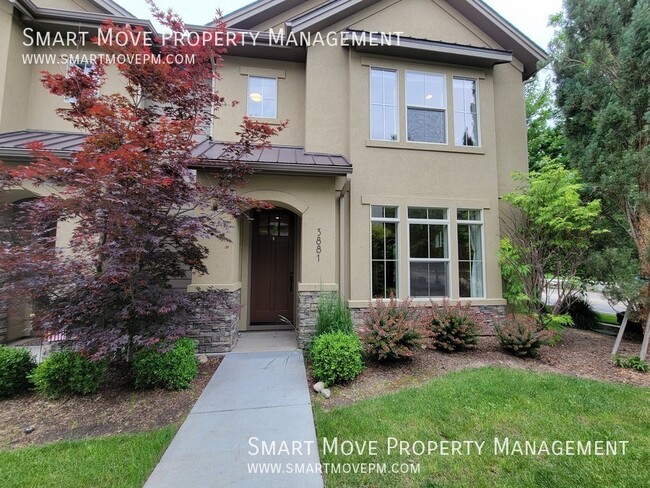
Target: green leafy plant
point(172, 367)
point(336, 357)
point(333, 315)
point(16, 364)
point(391, 330)
point(451, 328)
point(68, 373)
point(521, 335)
point(633, 362)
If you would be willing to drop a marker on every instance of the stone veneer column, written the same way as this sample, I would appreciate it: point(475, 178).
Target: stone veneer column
point(307, 313)
point(220, 334)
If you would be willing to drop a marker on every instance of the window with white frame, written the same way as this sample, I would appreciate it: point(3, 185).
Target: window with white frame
point(86, 68)
point(466, 128)
point(262, 97)
point(428, 252)
point(470, 253)
point(426, 107)
point(384, 229)
point(383, 105)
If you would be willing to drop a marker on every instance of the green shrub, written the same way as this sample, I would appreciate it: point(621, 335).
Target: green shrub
point(333, 315)
point(174, 368)
point(391, 331)
point(633, 362)
point(16, 364)
point(68, 373)
point(451, 328)
point(521, 335)
point(583, 314)
point(336, 357)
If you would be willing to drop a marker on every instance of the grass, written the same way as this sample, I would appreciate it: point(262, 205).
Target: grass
point(115, 462)
point(481, 404)
point(607, 318)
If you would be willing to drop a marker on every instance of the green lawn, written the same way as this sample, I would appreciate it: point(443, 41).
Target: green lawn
point(481, 404)
point(607, 318)
point(111, 462)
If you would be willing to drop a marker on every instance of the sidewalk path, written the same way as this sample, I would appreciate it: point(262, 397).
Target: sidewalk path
point(253, 398)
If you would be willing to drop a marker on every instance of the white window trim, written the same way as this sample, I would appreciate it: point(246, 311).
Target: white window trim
point(445, 109)
point(482, 224)
point(396, 221)
point(248, 97)
point(447, 260)
point(370, 104)
point(478, 109)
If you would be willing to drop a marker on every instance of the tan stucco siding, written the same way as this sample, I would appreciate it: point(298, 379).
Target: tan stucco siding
point(74, 5)
point(290, 101)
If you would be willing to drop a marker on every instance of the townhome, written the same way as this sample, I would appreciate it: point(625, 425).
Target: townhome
point(406, 121)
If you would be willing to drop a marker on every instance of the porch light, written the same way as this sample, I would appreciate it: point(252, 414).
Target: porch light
point(256, 97)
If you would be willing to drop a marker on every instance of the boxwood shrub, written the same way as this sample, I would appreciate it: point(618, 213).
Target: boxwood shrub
point(16, 364)
point(172, 367)
point(336, 357)
point(68, 373)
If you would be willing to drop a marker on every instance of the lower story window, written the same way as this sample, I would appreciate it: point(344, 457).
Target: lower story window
point(384, 229)
point(428, 252)
point(470, 254)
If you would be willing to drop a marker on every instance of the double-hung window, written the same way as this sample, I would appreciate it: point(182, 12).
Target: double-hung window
point(466, 112)
point(470, 253)
point(384, 228)
point(262, 97)
point(426, 107)
point(428, 252)
point(383, 105)
point(86, 68)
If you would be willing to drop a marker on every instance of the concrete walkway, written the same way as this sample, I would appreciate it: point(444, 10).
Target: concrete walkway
point(253, 400)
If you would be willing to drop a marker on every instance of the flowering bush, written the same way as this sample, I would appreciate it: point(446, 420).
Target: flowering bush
point(391, 330)
point(452, 328)
point(521, 335)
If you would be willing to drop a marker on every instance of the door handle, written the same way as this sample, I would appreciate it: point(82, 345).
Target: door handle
point(290, 281)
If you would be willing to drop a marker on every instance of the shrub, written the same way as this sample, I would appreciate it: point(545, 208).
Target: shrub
point(582, 313)
point(173, 368)
point(68, 372)
point(451, 328)
point(521, 335)
point(333, 315)
point(633, 362)
point(16, 364)
point(336, 357)
point(391, 331)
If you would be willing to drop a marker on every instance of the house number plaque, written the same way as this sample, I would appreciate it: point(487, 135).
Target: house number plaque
point(319, 242)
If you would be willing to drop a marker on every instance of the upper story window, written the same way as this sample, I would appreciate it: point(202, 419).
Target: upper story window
point(426, 107)
point(383, 105)
point(86, 68)
point(262, 97)
point(466, 112)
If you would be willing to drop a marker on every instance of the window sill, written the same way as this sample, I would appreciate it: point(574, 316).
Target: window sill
point(262, 120)
point(423, 146)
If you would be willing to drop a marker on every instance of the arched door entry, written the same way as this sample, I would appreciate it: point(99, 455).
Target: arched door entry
point(273, 266)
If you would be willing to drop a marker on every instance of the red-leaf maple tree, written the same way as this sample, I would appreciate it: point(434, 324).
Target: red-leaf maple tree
point(140, 216)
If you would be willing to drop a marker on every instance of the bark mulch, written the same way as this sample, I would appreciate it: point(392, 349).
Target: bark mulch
point(581, 353)
point(116, 408)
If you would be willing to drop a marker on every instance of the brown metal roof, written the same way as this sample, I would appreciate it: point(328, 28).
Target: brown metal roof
point(275, 159)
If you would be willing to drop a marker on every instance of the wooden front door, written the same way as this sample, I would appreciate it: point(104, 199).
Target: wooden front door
point(272, 266)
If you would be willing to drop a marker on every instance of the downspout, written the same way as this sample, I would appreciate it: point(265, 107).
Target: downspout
point(343, 237)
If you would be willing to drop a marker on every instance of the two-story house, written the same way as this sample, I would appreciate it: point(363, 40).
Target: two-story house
point(406, 120)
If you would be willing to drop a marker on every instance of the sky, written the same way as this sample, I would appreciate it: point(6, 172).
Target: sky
point(529, 16)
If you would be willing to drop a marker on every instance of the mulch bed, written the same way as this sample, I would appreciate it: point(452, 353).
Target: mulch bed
point(581, 353)
point(116, 408)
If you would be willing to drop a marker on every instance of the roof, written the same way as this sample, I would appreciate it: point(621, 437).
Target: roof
point(108, 6)
point(329, 12)
point(275, 159)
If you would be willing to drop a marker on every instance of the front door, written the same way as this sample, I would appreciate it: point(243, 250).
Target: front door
point(272, 266)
